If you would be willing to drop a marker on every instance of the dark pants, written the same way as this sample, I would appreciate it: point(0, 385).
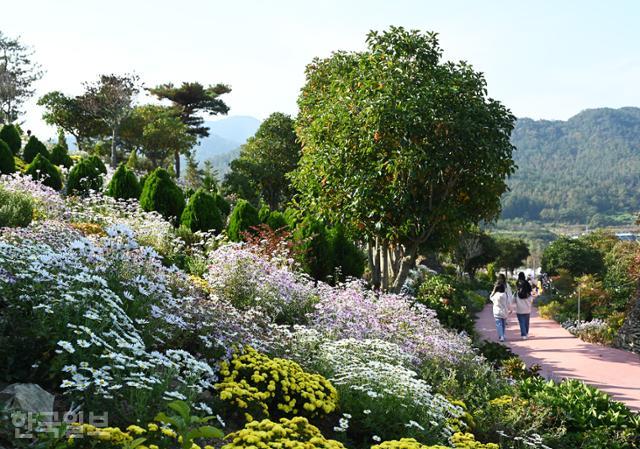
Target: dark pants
point(523, 320)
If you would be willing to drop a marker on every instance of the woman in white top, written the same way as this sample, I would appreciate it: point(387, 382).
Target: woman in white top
point(523, 300)
point(500, 308)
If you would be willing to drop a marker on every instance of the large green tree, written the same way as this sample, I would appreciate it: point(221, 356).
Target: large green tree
point(512, 252)
point(18, 72)
point(400, 146)
point(575, 255)
point(266, 159)
point(68, 114)
point(190, 101)
point(110, 101)
point(475, 249)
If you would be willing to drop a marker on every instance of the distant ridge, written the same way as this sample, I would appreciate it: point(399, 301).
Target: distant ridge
point(585, 170)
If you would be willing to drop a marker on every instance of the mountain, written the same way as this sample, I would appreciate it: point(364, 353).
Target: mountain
point(584, 170)
point(225, 135)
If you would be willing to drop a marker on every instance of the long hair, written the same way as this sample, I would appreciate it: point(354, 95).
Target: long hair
point(521, 276)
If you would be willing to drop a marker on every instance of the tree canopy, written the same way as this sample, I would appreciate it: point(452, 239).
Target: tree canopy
point(400, 145)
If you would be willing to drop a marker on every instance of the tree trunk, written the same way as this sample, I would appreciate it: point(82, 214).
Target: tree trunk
point(114, 156)
point(406, 265)
point(176, 156)
point(385, 266)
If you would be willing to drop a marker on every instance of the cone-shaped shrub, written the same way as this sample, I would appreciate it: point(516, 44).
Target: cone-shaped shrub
point(223, 205)
point(276, 220)
point(311, 236)
point(60, 157)
point(42, 170)
point(201, 213)
point(345, 255)
point(263, 213)
point(243, 218)
point(11, 136)
point(97, 162)
point(124, 185)
point(161, 194)
point(84, 177)
point(33, 148)
point(7, 164)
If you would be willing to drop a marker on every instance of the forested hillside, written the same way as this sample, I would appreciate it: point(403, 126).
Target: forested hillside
point(583, 170)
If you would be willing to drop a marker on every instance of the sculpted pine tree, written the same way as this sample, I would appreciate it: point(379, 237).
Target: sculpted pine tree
point(400, 147)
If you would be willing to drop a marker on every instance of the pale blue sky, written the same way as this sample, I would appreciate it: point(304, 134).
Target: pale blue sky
point(543, 59)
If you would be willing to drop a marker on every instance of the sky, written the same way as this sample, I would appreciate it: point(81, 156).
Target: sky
point(542, 59)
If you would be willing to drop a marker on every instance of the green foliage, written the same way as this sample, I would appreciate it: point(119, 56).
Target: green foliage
point(201, 213)
point(33, 148)
point(475, 249)
point(188, 427)
point(16, 209)
point(574, 255)
point(346, 257)
point(388, 134)
point(591, 419)
point(495, 353)
point(583, 170)
point(276, 220)
point(60, 157)
point(84, 177)
point(124, 184)
point(98, 164)
point(7, 162)
point(263, 213)
point(42, 170)
point(264, 162)
point(315, 248)
point(243, 218)
point(512, 252)
point(10, 135)
point(223, 205)
point(161, 194)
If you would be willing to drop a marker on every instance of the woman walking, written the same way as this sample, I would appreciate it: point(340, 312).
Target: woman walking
point(523, 300)
point(500, 307)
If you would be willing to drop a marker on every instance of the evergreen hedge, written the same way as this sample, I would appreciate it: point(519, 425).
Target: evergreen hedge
point(7, 164)
point(33, 148)
point(124, 185)
point(201, 213)
point(84, 177)
point(243, 218)
point(42, 170)
point(60, 157)
point(161, 194)
point(10, 135)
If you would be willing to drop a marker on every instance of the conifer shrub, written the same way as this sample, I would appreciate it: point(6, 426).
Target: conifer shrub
point(124, 185)
point(84, 177)
point(345, 254)
point(60, 157)
point(223, 205)
point(161, 194)
point(98, 164)
point(33, 148)
point(243, 218)
point(10, 135)
point(314, 247)
point(276, 220)
point(201, 213)
point(7, 164)
point(41, 169)
point(263, 214)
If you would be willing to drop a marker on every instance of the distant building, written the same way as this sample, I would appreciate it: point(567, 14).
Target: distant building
point(627, 236)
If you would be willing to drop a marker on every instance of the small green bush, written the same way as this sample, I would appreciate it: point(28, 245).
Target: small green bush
point(11, 136)
point(263, 213)
point(223, 205)
point(7, 164)
point(16, 209)
point(84, 177)
point(60, 157)
point(33, 148)
point(453, 308)
point(276, 220)
point(243, 218)
point(201, 213)
point(315, 248)
point(41, 169)
point(161, 194)
point(345, 255)
point(98, 164)
point(124, 185)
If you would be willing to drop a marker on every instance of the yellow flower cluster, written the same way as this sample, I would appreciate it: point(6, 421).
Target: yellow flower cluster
point(89, 229)
point(459, 441)
point(295, 433)
point(252, 380)
point(112, 434)
point(200, 283)
point(506, 400)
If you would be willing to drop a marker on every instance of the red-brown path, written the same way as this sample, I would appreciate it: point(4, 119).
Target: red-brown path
point(561, 355)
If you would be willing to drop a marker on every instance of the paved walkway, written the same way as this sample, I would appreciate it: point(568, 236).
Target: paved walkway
point(561, 355)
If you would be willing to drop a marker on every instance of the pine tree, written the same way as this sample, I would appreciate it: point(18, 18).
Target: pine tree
point(201, 213)
point(243, 218)
point(7, 163)
point(33, 148)
point(41, 169)
point(161, 194)
point(84, 177)
point(124, 185)
point(11, 137)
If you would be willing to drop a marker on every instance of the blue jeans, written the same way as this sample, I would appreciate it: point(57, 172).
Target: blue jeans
point(523, 320)
point(501, 325)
